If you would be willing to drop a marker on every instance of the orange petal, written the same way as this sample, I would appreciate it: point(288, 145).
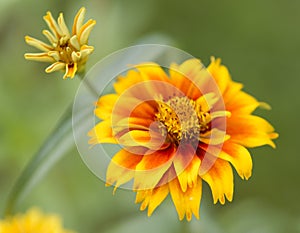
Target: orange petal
point(151, 168)
point(220, 180)
point(186, 165)
point(186, 203)
point(122, 168)
point(250, 131)
point(102, 133)
point(185, 75)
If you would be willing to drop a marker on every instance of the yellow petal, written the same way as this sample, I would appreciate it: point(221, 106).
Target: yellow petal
point(239, 157)
point(242, 103)
point(85, 31)
point(105, 106)
point(214, 137)
point(52, 24)
point(122, 168)
point(70, 70)
point(74, 42)
point(207, 101)
point(62, 25)
point(132, 123)
point(52, 39)
point(38, 44)
point(148, 139)
point(220, 180)
point(186, 203)
point(250, 131)
point(220, 73)
point(151, 169)
point(78, 21)
point(42, 57)
point(152, 71)
point(55, 66)
point(152, 198)
point(186, 165)
point(86, 50)
point(102, 133)
point(76, 56)
point(123, 83)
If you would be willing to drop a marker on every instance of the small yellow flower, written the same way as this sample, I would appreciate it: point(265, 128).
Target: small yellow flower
point(33, 221)
point(170, 133)
point(67, 52)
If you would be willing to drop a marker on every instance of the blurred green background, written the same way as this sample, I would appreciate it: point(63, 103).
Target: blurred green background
point(258, 40)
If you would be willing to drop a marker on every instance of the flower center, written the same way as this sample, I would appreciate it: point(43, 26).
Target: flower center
point(182, 119)
point(65, 49)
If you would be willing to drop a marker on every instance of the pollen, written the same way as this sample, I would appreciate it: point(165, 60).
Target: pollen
point(182, 118)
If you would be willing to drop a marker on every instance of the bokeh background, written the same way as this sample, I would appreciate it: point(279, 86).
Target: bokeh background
point(258, 40)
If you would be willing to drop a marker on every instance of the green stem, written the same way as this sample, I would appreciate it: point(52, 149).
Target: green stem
point(88, 84)
point(55, 146)
point(58, 143)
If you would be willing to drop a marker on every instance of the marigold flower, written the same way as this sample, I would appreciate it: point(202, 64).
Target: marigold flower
point(169, 131)
point(33, 221)
point(66, 51)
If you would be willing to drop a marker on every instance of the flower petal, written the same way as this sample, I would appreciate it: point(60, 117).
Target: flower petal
point(152, 71)
point(123, 83)
point(71, 70)
point(185, 75)
point(148, 139)
point(78, 21)
point(214, 137)
point(186, 203)
point(55, 66)
point(122, 168)
point(62, 25)
point(105, 106)
point(220, 73)
point(102, 133)
point(42, 57)
point(220, 180)
point(38, 44)
point(52, 24)
point(242, 103)
point(151, 169)
point(52, 39)
point(186, 165)
point(250, 131)
point(85, 31)
point(239, 157)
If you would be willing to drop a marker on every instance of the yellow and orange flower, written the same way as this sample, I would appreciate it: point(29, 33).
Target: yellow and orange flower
point(67, 52)
point(177, 131)
point(33, 221)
